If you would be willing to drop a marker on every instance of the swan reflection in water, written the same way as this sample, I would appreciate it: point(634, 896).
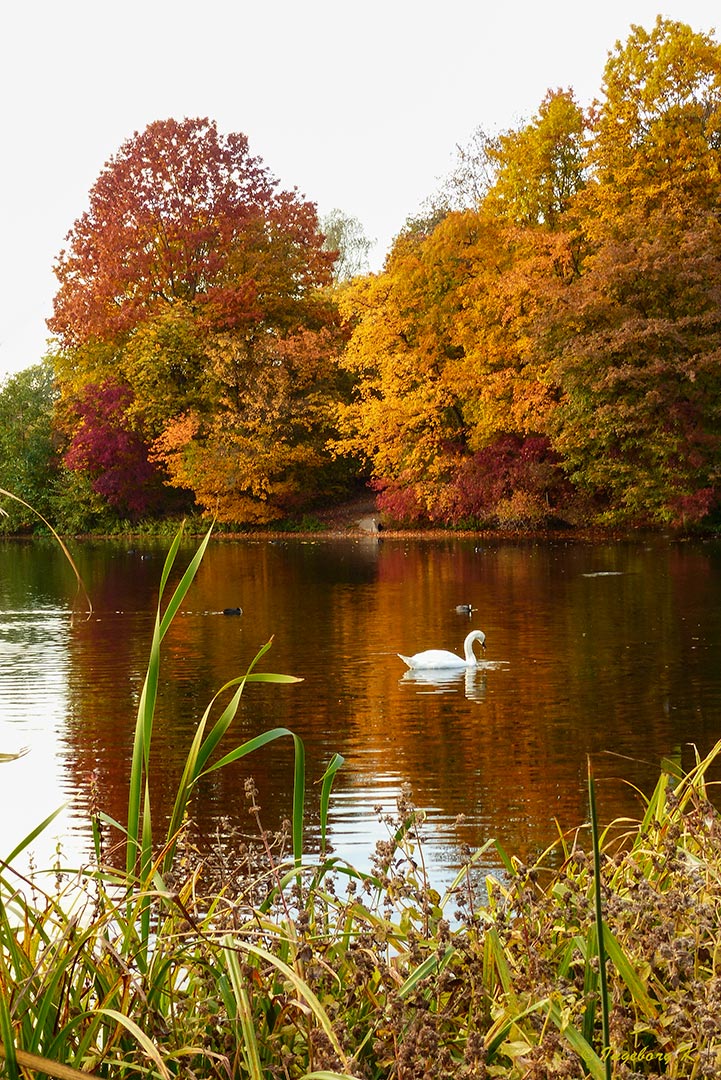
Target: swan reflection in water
point(471, 680)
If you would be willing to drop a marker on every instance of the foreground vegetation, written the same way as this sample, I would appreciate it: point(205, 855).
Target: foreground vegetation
point(267, 960)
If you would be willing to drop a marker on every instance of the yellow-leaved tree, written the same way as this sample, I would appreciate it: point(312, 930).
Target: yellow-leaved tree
point(451, 403)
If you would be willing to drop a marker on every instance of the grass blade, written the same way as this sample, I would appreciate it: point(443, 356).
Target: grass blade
point(298, 782)
point(600, 1069)
point(327, 1076)
point(599, 924)
point(138, 848)
point(43, 1066)
point(7, 1039)
point(301, 988)
point(431, 964)
point(32, 835)
point(326, 784)
point(63, 548)
point(250, 1042)
point(148, 1046)
point(629, 974)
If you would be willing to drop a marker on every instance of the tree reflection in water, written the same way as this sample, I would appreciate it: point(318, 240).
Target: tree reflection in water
point(607, 649)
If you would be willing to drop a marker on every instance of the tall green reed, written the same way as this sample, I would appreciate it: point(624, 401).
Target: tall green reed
point(68, 988)
point(144, 863)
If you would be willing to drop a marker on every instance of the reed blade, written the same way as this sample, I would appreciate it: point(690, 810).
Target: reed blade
point(600, 939)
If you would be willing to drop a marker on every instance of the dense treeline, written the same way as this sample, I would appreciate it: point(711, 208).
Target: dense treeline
point(554, 349)
point(544, 344)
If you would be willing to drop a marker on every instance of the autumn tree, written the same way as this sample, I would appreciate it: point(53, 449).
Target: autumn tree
point(440, 362)
point(542, 166)
point(27, 441)
point(404, 418)
point(345, 237)
point(635, 345)
point(441, 344)
point(192, 281)
point(113, 455)
point(472, 175)
point(656, 131)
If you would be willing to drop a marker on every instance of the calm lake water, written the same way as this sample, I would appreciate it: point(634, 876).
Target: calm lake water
point(609, 649)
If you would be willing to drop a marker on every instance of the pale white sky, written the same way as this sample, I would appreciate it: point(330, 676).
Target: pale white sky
point(360, 105)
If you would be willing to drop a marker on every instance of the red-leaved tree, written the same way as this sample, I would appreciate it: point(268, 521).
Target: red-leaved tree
point(115, 457)
point(165, 215)
point(192, 281)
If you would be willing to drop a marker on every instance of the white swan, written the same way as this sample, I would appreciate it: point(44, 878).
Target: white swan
point(440, 658)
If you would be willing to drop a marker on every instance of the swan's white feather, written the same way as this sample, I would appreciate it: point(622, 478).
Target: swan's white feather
point(441, 658)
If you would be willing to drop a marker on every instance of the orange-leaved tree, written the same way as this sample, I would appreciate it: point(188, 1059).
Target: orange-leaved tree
point(449, 393)
point(196, 283)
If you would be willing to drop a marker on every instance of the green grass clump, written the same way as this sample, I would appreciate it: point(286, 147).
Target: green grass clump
point(264, 960)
